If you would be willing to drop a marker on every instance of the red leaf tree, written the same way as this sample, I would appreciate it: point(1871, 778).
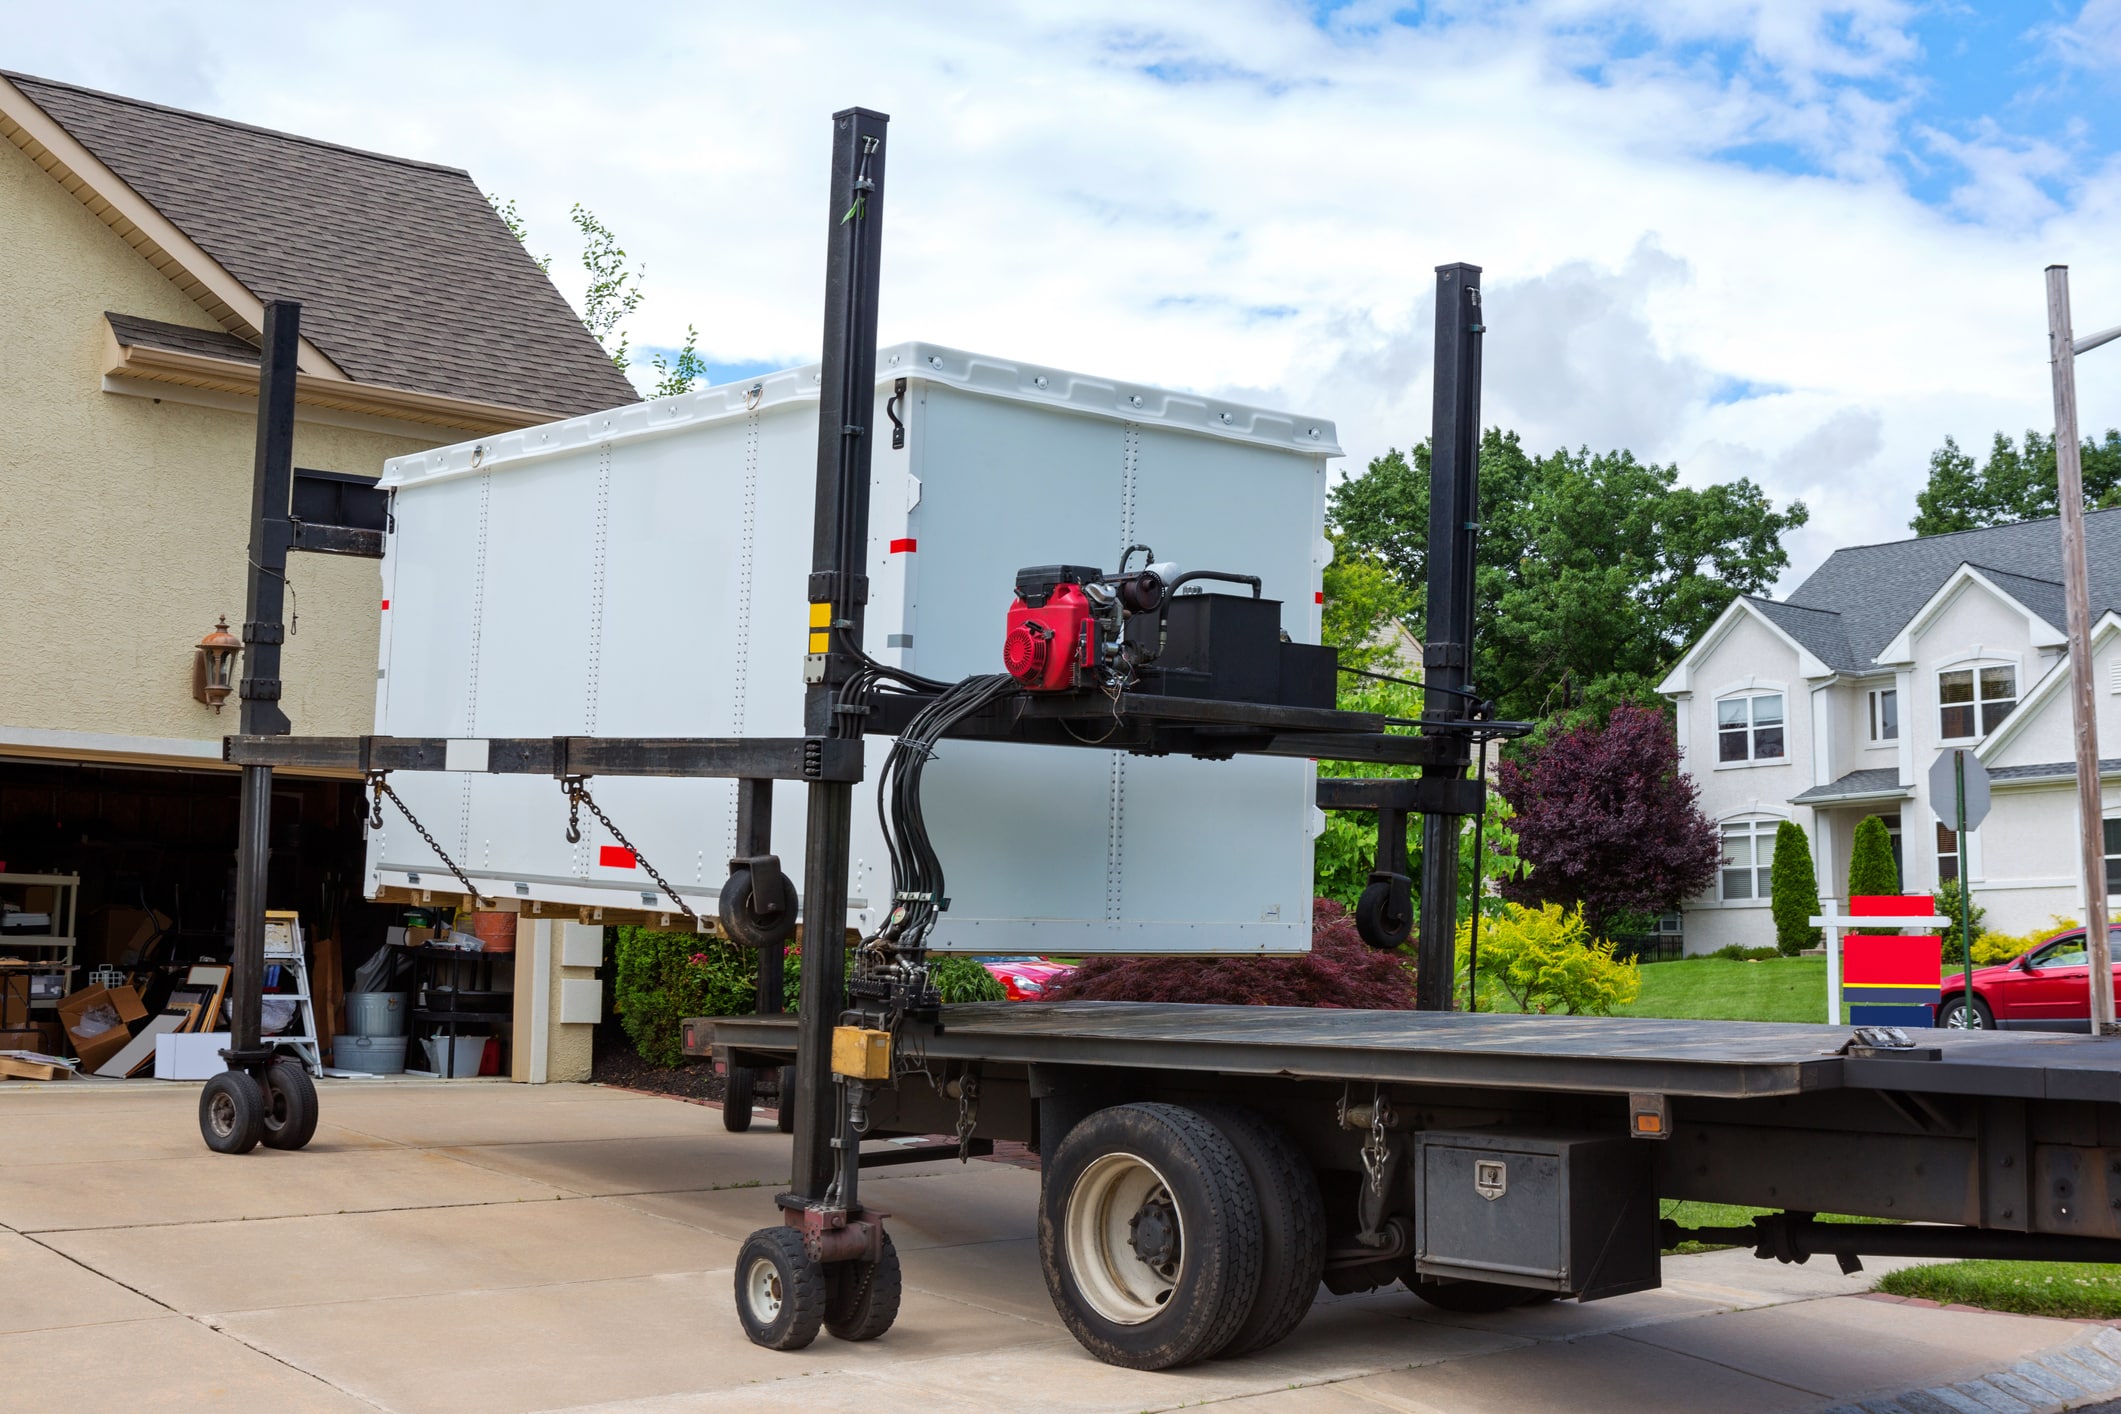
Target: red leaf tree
point(1608, 820)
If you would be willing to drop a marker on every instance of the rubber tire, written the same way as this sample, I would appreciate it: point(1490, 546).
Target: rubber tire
point(245, 1113)
point(1292, 1226)
point(878, 1306)
point(290, 1109)
point(1218, 1271)
point(1469, 1298)
point(784, 1102)
point(1370, 920)
point(745, 926)
point(802, 1283)
point(737, 1096)
point(1950, 1008)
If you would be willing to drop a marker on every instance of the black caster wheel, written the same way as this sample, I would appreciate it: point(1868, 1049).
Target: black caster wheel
point(232, 1113)
point(741, 919)
point(780, 1293)
point(736, 1098)
point(861, 1298)
point(1381, 924)
point(290, 1117)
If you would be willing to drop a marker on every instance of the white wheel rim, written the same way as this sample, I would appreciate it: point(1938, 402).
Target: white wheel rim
point(762, 1289)
point(1104, 1207)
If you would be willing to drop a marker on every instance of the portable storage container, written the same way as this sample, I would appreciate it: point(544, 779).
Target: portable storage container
point(643, 572)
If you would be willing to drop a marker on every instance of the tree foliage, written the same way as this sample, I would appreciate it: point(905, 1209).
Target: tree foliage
point(1346, 851)
point(613, 291)
point(1871, 867)
point(2014, 484)
point(1794, 890)
point(1364, 607)
point(1545, 960)
point(1591, 570)
point(1340, 971)
point(1607, 820)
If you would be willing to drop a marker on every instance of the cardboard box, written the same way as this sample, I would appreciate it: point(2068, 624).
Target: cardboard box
point(14, 998)
point(97, 1045)
point(116, 933)
point(191, 1056)
point(24, 1039)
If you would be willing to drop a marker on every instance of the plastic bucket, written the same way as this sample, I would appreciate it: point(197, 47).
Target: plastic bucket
point(469, 1051)
point(376, 1013)
point(376, 1055)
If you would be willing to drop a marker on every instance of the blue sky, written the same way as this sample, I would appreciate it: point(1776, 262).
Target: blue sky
point(1795, 240)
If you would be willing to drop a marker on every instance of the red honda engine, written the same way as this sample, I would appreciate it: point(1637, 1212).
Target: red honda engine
point(1053, 628)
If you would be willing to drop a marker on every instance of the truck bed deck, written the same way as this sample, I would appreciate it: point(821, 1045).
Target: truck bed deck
point(1728, 1059)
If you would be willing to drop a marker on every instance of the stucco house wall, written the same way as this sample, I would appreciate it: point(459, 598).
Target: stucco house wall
point(93, 479)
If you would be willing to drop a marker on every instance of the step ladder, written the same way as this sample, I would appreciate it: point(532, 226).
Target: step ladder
point(283, 948)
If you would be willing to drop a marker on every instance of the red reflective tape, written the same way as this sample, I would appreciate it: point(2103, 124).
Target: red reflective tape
point(386, 603)
point(1319, 597)
point(904, 547)
point(611, 856)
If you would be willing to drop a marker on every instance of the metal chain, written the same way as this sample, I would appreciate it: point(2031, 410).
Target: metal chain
point(1376, 1150)
point(967, 1114)
point(578, 796)
point(375, 822)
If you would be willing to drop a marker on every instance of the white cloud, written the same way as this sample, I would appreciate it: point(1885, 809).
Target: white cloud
point(1266, 215)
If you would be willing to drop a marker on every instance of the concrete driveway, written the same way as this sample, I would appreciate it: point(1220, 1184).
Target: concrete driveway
point(475, 1246)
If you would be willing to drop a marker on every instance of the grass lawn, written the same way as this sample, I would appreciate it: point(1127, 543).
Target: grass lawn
point(2072, 1289)
point(1775, 989)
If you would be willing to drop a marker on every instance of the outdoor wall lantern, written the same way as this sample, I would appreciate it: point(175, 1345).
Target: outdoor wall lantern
point(213, 665)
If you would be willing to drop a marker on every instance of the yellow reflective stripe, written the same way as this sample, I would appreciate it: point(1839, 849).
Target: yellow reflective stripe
point(820, 615)
point(820, 642)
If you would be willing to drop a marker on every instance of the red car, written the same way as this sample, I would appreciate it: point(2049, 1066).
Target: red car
point(1025, 979)
point(2046, 989)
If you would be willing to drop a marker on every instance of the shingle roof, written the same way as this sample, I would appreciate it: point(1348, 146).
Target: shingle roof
point(155, 334)
point(1855, 785)
point(1819, 630)
point(1875, 589)
point(407, 277)
point(2050, 771)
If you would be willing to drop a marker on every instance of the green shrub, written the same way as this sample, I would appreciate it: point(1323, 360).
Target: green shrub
point(1739, 952)
point(662, 978)
point(1794, 889)
point(1989, 948)
point(962, 979)
point(1871, 867)
point(1545, 960)
point(1946, 902)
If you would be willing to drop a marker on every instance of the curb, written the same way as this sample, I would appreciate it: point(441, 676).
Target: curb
point(2088, 1368)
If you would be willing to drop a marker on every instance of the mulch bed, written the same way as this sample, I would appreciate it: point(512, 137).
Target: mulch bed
point(622, 1067)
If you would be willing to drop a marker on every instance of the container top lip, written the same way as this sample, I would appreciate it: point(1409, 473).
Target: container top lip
point(981, 374)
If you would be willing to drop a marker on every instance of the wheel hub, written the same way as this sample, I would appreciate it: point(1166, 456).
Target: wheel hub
point(762, 1287)
point(222, 1114)
point(1154, 1233)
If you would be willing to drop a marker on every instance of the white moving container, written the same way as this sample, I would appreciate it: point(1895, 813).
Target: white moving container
point(642, 572)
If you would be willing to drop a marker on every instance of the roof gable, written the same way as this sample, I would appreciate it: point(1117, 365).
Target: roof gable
point(1743, 609)
point(2010, 589)
point(406, 276)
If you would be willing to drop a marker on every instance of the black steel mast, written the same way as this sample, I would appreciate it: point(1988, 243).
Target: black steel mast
point(839, 589)
point(1454, 501)
point(271, 535)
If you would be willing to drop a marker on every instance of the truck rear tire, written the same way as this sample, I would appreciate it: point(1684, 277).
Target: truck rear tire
point(1292, 1225)
point(736, 1098)
point(1149, 1234)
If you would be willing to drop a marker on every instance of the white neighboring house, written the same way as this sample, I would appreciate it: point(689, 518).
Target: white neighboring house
point(1831, 705)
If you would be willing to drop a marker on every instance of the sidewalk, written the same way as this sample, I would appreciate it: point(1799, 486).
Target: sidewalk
point(462, 1246)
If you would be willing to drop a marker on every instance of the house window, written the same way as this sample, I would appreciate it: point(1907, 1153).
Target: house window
point(1749, 728)
point(1748, 853)
point(1948, 851)
point(1885, 714)
point(2113, 856)
point(1973, 702)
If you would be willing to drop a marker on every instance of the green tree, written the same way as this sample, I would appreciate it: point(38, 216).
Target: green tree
point(2014, 484)
point(1363, 604)
point(1871, 867)
point(1593, 571)
point(1794, 890)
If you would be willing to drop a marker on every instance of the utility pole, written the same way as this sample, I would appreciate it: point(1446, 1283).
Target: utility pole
point(2076, 589)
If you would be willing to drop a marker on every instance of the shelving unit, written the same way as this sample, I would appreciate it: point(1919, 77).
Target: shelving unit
point(56, 897)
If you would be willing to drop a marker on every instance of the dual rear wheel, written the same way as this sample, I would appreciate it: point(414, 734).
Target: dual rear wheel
point(237, 1112)
point(784, 1298)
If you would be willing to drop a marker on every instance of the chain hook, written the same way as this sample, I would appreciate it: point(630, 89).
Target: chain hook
point(573, 786)
point(375, 808)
